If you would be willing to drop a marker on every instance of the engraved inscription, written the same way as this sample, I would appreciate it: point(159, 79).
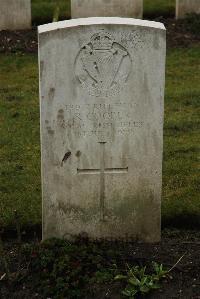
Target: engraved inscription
point(102, 66)
point(101, 121)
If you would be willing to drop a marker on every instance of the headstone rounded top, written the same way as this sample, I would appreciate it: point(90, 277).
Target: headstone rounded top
point(99, 21)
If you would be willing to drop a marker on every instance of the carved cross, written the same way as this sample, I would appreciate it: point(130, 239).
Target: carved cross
point(102, 171)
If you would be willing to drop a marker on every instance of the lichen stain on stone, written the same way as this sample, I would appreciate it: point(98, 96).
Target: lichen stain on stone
point(125, 210)
point(62, 207)
point(77, 213)
point(66, 156)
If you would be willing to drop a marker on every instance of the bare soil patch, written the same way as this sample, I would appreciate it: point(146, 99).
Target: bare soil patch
point(184, 280)
point(26, 41)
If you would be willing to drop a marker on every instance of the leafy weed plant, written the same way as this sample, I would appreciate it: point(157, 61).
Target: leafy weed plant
point(139, 282)
point(61, 269)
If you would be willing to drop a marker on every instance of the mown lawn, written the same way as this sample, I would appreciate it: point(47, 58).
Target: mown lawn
point(20, 145)
point(43, 10)
point(157, 8)
point(181, 186)
point(20, 148)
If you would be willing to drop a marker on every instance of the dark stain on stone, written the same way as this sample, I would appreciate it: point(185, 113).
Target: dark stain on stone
point(145, 85)
point(51, 93)
point(50, 131)
point(41, 68)
point(156, 41)
point(60, 115)
point(78, 154)
point(66, 156)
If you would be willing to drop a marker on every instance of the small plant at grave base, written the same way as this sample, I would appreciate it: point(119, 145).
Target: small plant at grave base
point(139, 282)
point(60, 268)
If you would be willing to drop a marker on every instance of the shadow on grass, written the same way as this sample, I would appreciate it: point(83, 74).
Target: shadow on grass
point(182, 221)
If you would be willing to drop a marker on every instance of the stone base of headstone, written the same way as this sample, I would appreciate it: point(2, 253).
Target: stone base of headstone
point(184, 7)
point(15, 14)
point(107, 8)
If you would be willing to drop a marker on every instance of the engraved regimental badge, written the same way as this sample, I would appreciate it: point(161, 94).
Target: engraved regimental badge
point(102, 66)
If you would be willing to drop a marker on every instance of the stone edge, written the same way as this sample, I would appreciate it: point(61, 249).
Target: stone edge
point(99, 21)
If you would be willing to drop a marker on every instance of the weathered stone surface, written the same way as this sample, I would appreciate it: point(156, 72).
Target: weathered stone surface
point(184, 7)
point(107, 8)
point(101, 94)
point(15, 14)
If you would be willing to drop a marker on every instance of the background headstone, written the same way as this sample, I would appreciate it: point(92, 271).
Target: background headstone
point(15, 14)
point(184, 7)
point(106, 8)
point(101, 94)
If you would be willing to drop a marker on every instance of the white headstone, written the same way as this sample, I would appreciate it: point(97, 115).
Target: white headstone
point(107, 8)
point(184, 7)
point(15, 14)
point(101, 94)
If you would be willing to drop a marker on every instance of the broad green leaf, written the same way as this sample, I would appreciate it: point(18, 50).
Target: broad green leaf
point(120, 277)
point(144, 289)
point(134, 281)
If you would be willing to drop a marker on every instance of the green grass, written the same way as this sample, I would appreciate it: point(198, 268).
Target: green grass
point(19, 142)
point(20, 146)
point(181, 144)
point(157, 8)
point(43, 10)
